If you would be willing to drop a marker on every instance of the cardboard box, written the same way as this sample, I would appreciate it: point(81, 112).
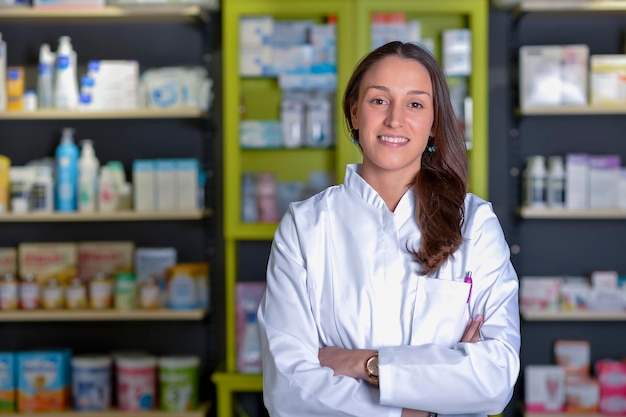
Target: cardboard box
point(107, 257)
point(545, 388)
point(48, 260)
point(574, 356)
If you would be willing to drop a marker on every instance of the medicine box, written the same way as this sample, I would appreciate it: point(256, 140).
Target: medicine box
point(7, 382)
point(457, 52)
point(8, 260)
point(144, 181)
point(574, 356)
point(115, 84)
point(608, 79)
point(575, 293)
point(166, 184)
point(539, 293)
point(612, 378)
point(544, 388)
point(577, 181)
point(255, 30)
point(604, 181)
point(151, 264)
point(582, 396)
point(48, 260)
point(187, 173)
point(106, 257)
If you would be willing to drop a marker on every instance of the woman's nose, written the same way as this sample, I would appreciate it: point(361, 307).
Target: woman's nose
point(394, 116)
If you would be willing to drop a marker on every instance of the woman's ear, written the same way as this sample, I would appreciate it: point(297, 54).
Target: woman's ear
point(354, 120)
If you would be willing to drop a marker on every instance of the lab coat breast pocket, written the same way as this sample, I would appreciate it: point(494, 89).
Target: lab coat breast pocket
point(441, 311)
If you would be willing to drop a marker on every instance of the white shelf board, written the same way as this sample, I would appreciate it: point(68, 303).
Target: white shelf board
point(571, 5)
point(571, 110)
point(94, 114)
point(116, 216)
point(558, 213)
point(200, 412)
point(574, 315)
point(100, 315)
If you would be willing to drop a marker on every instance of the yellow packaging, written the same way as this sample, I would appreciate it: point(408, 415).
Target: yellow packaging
point(188, 285)
point(5, 164)
point(104, 257)
point(15, 88)
point(8, 261)
point(48, 260)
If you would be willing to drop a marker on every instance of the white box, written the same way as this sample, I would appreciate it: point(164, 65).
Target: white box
point(115, 84)
point(144, 184)
point(187, 171)
point(604, 181)
point(577, 181)
point(255, 30)
point(553, 75)
point(166, 185)
point(539, 293)
point(544, 388)
point(621, 202)
point(608, 79)
point(255, 61)
point(457, 52)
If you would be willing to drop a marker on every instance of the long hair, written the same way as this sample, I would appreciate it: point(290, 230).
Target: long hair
point(440, 185)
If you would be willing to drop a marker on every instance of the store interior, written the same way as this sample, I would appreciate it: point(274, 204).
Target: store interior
point(211, 135)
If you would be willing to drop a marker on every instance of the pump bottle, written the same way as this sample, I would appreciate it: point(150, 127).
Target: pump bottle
point(88, 167)
point(45, 78)
point(556, 182)
point(65, 83)
point(66, 156)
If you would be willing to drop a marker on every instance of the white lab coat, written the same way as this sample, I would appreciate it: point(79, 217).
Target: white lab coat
point(339, 274)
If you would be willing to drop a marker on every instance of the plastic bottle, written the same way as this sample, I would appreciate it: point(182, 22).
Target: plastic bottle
point(249, 211)
point(66, 172)
point(107, 200)
point(535, 181)
point(45, 77)
point(65, 83)
point(250, 349)
point(42, 190)
point(3, 74)
point(88, 167)
point(266, 194)
point(556, 182)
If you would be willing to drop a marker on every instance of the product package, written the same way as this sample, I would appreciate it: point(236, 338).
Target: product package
point(545, 388)
point(105, 257)
point(48, 260)
point(7, 382)
point(248, 295)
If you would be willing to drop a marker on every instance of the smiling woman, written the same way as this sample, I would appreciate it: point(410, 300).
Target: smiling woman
point(369, 310)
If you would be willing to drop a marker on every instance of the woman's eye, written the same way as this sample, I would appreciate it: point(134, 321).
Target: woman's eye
point(416, 105)
point(378, 101)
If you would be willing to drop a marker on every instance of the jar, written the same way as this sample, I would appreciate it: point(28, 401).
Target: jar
point(100, 291)
point(149, 294)
point(52, 295)
point(76, 295)
point(29, 293)
point(8, 292)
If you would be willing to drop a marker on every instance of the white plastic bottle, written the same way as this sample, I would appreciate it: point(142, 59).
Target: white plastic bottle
point(250, 349)
point(535, 182)
point(107, 200)
point(88, 167)
point(65, 82)
point(45, 77)
point(3, 74)
point(556, 182)
point(66, 156)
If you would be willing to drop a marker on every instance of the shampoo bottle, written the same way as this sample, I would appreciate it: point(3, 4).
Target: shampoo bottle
point(66, 156)
point(88, 167)
point(535, 182)
point(45, 77)
point(3, 74)
point(65, 83)
point(556, 182)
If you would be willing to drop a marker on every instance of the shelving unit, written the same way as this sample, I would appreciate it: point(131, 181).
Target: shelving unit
point(101, 315)
point(262, 98)
point(564, 242)
point(201, 412)
point(156, 36)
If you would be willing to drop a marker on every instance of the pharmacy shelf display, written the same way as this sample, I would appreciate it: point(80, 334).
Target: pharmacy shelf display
point(133, 33)
point(258, 97)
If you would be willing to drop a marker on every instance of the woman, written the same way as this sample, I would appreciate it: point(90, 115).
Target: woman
point(372, 285)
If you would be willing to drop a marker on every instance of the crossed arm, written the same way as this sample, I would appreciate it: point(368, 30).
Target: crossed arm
point(350, 362)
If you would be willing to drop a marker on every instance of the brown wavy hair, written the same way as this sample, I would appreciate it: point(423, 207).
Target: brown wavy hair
point(440, 186)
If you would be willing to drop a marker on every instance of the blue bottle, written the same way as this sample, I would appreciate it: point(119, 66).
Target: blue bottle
point(66, 156)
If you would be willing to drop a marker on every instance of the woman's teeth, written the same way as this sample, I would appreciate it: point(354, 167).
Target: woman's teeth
point(393, 139)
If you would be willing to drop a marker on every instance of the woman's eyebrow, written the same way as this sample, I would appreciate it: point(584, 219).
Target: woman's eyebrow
point(385, 89)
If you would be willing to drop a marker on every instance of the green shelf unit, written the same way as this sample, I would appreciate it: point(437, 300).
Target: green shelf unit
point(260, 99)
point(435, 16)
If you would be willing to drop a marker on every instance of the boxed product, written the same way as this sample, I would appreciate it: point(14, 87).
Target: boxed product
point(539, 293)
point(144, 180)
point(608, 79)
point(612, 377)
point(248, 295)
point(553, 75)
point(574, 356)
point(7, 382)
point(577, 181)
point(151, 266)
point(604, 181)
point(582, 396)
point(545, 388)
point(605, 295)
point(188, 286)
point(575, 293)
point(107, 257)
point(115, 84)
point(8, 260)
point(48, 260)
point(43, 381)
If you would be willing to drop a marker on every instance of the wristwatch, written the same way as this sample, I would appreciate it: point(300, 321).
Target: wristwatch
point(371, 369)
point(432, 414)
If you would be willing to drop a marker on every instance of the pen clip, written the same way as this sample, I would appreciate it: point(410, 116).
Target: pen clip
point(468, 280)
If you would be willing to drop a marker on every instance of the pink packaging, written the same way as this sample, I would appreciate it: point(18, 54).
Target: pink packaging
point(612, 378)
point(136, 383)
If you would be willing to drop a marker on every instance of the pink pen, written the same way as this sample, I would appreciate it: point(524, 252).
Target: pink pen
point(468, 279)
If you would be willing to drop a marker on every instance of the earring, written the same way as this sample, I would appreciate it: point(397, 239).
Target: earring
point(354, 141)
point(431, 149)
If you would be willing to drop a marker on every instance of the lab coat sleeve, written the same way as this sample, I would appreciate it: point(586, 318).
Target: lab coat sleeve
point(294, 383)
point(467, 378)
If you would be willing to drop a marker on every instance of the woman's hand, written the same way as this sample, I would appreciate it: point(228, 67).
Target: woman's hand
point(348, 362)
point(472, 331)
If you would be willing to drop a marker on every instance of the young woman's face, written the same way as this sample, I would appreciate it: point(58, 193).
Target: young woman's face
point(394, 115)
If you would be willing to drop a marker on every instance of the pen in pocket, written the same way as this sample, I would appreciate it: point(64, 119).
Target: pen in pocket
point(468, 280)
